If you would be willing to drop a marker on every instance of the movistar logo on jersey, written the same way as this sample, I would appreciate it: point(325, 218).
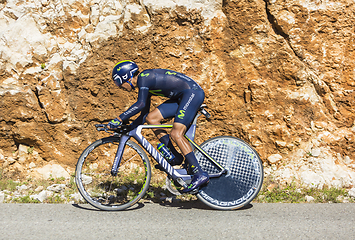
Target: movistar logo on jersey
point(170, 73)
point(182, 114)
point(144, 75)
point(156, 92)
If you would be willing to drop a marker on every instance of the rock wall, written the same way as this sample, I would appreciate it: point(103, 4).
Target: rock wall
point(278, 74)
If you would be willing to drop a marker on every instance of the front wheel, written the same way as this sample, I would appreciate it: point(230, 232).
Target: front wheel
point(244, 177)
point(96, 183)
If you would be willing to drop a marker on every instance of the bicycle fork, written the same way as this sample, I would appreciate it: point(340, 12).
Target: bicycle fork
point(119, 153)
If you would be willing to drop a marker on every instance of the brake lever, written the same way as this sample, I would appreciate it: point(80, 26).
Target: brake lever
point(101, 127)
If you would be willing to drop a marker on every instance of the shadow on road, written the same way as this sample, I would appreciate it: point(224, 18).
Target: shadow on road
point(195, 204)
point(88, 207)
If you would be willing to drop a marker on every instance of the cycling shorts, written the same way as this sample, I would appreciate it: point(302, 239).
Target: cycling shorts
point(184, 109)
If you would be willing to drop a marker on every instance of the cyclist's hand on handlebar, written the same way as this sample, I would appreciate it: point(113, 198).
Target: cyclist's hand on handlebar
point(115, 123)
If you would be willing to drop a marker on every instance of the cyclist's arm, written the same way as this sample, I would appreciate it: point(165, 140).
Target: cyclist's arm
point(140, 105)
point(141, 119)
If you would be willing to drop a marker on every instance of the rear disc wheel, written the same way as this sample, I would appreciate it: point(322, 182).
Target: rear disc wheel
point(244, 177)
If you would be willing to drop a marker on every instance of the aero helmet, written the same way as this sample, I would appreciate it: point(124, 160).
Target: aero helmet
point(124, 71)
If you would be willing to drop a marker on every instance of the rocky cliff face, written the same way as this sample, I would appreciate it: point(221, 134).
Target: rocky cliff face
point(278, 74)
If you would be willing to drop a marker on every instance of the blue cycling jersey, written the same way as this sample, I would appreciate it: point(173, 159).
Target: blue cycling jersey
point(185, 94)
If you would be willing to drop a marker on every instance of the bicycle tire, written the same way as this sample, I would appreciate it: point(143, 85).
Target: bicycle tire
point(96, 183)
point(244, 176)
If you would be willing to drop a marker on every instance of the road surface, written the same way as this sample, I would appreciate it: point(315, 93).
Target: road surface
point(178, 221)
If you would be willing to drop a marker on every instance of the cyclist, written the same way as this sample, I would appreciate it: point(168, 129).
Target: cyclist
point(185, 98)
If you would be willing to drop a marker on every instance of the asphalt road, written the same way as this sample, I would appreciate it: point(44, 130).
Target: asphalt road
point(178, 221)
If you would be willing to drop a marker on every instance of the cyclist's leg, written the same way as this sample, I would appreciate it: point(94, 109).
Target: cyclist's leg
point(165, 110)
point(177, 134)
point(154, 118)
point(190, 102)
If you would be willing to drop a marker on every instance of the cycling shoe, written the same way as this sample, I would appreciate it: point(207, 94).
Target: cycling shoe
point(197, 182)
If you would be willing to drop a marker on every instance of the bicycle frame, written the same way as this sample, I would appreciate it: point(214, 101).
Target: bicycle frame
point(137, 135)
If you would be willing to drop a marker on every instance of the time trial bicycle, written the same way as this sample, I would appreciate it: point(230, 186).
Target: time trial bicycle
point(113, 173)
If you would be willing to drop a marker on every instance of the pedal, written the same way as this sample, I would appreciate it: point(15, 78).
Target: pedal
point(181, 182)
point(194, 192)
